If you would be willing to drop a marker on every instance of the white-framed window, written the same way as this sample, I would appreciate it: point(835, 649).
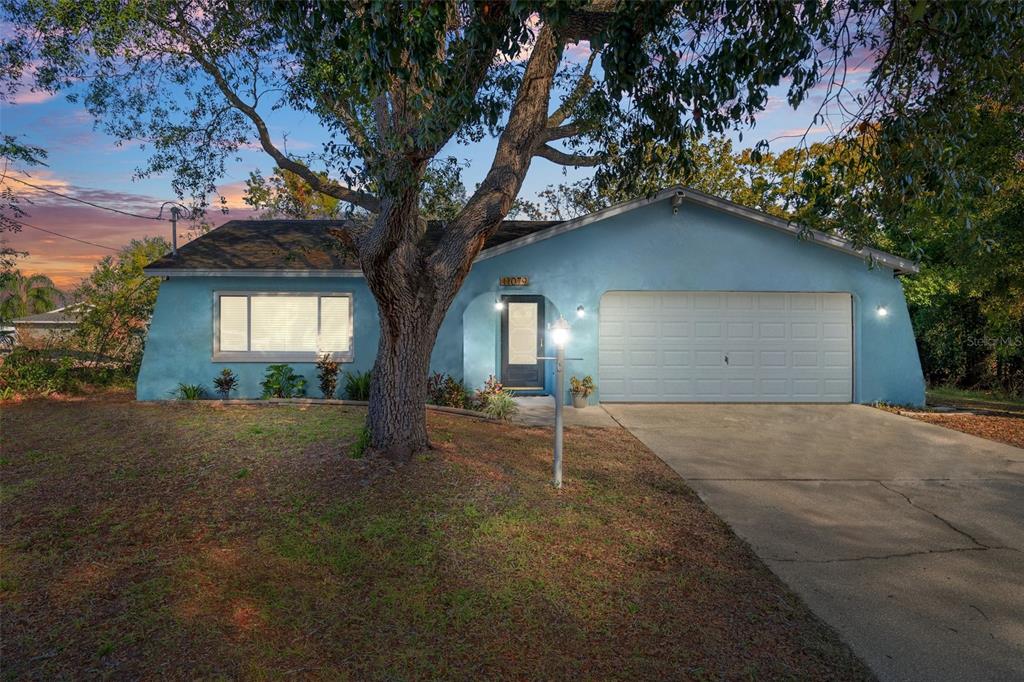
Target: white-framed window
point(250, 326)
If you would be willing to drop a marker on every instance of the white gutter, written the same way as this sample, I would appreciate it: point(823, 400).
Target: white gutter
point(888, 259)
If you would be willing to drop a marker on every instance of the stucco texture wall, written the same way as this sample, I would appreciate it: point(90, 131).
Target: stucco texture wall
point(696, 249)
point(179, 346)
point(646, 249)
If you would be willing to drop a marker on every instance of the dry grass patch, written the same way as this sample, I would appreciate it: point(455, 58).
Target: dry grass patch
point(1004, 429)
point(188, 541)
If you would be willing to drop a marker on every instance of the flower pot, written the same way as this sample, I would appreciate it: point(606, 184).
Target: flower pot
point(579, 401)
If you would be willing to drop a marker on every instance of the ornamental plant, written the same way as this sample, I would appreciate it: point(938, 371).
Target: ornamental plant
point(444, 389)
point(225, 382)
point(357, 385)
point(583, 388)
point(327, 372)
point(281, 381)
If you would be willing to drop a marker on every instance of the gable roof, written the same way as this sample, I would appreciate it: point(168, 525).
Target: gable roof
point(67, 315)
point(293, 247)
point(679, 194)
point(305, 248)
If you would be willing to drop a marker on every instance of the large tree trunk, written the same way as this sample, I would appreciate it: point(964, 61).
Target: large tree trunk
point(398, 392)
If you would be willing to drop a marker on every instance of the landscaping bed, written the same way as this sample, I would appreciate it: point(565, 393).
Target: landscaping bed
point(1005, 428)
point(243, 541)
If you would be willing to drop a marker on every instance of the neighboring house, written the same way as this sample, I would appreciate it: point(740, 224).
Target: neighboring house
point(46, 330)
point(676, 297)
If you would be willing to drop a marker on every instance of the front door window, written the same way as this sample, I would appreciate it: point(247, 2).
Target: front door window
point(522, 342)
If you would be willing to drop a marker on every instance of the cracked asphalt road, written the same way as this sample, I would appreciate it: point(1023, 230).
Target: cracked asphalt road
point(906, 537)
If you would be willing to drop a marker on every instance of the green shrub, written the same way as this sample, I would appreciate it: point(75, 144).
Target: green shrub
point(190, 392)
point(357, 385)
point(500, 405)
point(42, 372)
point(281, 381)
point(359, 448)
point(225, 382)
point(327, 372)
point(444, 389)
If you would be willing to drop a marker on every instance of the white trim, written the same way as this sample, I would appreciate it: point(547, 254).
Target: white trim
point(34, 323)
point(893, 261)
point(282, 356)
point(265, 272)
point(29, 321)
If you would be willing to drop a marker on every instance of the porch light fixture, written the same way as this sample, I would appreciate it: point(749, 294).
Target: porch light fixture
point(580, 312)
point(499, 305)
point(882, 311)
point(560, 332)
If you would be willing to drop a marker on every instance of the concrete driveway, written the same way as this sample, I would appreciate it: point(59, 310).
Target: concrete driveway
point(908, 538)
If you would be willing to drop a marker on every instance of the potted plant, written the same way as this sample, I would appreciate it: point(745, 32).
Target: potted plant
point(581, 390)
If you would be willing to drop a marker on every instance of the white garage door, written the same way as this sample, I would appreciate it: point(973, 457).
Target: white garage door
point(677, 346)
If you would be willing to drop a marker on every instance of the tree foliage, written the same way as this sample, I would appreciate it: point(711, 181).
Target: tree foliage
point(116, 303)
point(22, 295)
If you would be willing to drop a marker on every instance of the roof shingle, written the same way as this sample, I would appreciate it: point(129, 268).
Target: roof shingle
point(295, 245)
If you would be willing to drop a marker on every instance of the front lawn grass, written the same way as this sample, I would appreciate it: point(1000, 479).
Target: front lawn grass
point(958, 397)
point(191, 541)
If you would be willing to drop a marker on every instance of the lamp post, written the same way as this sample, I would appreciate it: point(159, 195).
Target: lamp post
point(560, 336)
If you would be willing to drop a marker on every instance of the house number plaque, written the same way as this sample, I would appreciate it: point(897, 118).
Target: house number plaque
point(514, 281)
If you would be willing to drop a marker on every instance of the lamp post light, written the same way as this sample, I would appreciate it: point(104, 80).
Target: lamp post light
point(560, 336)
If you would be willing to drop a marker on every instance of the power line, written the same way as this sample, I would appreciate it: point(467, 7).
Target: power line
point(58, 234)
point(83, 201)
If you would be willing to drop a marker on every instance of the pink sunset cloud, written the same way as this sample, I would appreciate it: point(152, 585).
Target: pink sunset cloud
point(67, 261)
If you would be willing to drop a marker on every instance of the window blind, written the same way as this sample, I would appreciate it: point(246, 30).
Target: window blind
point(287, 323)
point(283, 323)
point(234, 323)
point(335, 330)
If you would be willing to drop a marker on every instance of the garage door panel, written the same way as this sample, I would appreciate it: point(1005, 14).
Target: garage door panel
point(708, 358)
point(672, 346)
point(771, 302)
point(707, 301)
point(771, 331)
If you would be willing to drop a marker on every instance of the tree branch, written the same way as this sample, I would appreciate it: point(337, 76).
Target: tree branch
point(583, 86)
point(493, 199)
point(561, 132)
point(546, 151)
point(340, 192)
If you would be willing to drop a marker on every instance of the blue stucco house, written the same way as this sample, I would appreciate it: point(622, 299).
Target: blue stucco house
point(677, 297)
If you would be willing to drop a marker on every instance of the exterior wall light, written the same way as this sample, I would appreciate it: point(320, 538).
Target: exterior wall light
point(560, 332)
point(882, 311)
point(499, 305)
point(580, 312)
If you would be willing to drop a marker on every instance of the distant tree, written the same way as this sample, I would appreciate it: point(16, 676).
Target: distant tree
point(394, 83)
point(12, 201)
point(117, 302)
point(22, 295)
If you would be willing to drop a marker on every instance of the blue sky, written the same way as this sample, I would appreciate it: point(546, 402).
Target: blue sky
point(89, 164)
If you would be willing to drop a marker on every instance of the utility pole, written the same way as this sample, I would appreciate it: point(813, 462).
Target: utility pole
point(174, 230)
